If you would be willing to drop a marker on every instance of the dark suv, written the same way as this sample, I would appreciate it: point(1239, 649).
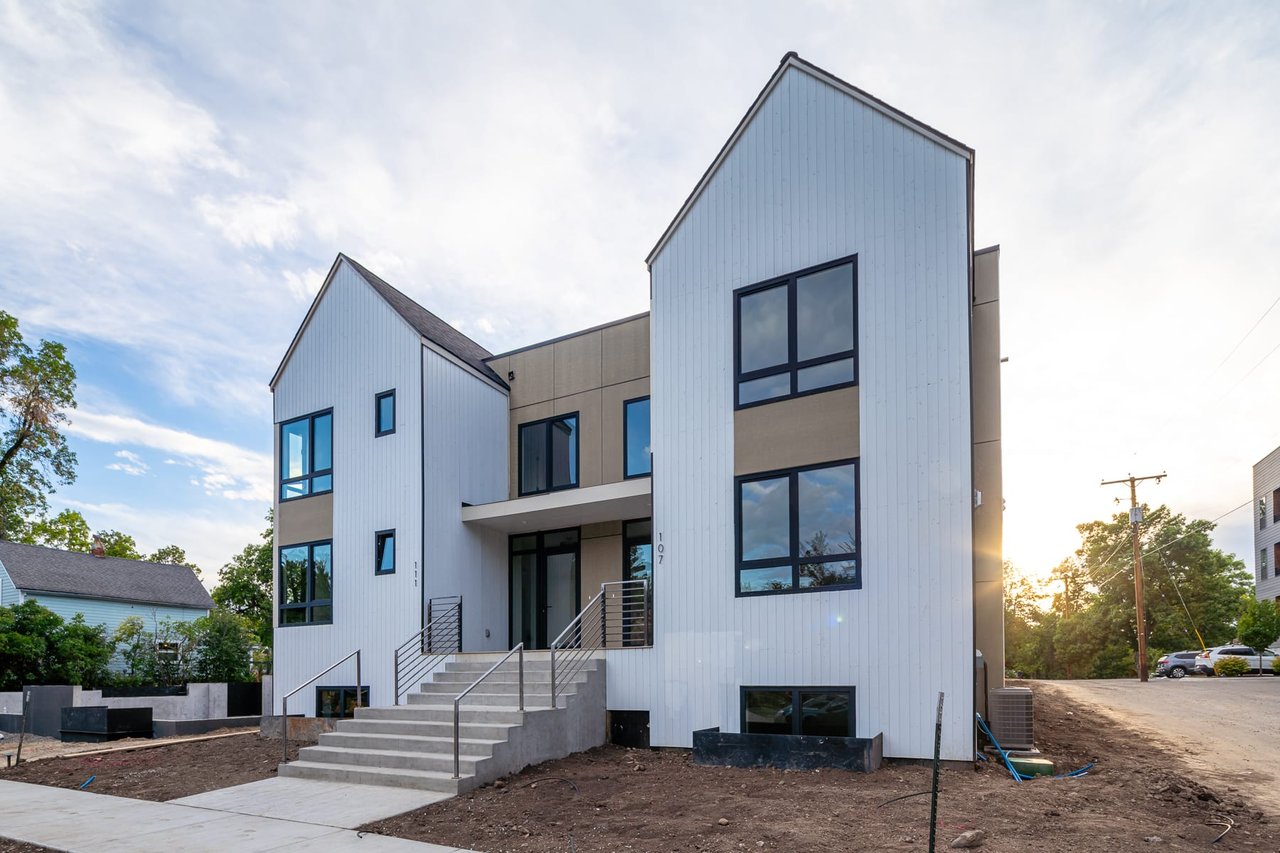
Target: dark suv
point(1177, 664)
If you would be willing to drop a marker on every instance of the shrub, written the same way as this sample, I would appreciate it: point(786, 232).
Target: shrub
point(1230, 666)
point(1275, 664)
point(37, 646)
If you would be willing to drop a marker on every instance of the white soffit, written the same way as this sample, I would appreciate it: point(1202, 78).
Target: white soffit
point(568, 508)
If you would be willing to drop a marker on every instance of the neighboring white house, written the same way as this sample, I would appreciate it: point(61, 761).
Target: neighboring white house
point(105, 590)
point(1266, 526)
point(798, 447)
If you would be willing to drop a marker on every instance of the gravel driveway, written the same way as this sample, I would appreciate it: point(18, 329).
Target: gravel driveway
point(1224, 728)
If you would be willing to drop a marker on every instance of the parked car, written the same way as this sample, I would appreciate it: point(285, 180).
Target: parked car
point(1177, 664)
point(1206, 659)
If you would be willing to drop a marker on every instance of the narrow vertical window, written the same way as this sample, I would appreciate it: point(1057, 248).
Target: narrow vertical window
point(384, 552)
point(306, 584)
point(637, 454)
point(384, 413)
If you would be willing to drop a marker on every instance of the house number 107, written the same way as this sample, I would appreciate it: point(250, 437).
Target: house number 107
point(661, 548)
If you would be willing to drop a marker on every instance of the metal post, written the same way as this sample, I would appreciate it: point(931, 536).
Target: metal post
point(397, 677)
point(284, 727)
point(358, 689)
point(522, 678)
point(933, 800)
point(22, 729)
point(1135, 521)
point(604, 618)
point(553, 675)
point(455, 738)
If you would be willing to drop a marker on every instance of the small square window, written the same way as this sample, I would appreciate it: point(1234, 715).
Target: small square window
point(384, 552)
point(339, 703)
point(384, 411)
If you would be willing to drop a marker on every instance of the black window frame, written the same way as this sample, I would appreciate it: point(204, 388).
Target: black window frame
point(378, 537)
point(378, 431)
point(310, 476)
point(343, 690)
point(793, 365)
point(626, 438)
point(1275, 506)
point(311, 603)
point(795, 559)
point(797, 715)
point(577, 454)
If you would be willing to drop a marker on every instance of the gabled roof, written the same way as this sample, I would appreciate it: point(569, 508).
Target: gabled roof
point(793, 60)
point(35, 568)
point(426, 324)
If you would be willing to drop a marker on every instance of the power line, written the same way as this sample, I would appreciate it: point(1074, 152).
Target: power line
point(1246, 337)
point(1155, 551)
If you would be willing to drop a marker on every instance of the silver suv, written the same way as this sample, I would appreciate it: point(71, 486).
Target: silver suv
point(1177, 664)
point(1206, 659)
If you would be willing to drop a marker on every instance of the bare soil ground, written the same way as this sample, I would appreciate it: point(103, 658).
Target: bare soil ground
point(7, 846)
point(163, 772)
point(613, 799)
point(36, 746)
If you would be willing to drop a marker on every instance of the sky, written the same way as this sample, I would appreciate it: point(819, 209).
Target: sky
point(175, 181)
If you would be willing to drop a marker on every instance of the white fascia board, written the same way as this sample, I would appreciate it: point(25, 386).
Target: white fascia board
point(567, 508)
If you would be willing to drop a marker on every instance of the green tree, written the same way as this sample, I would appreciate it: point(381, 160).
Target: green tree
point(117, 544)
point(1259, 624)
point(67, 530)
point(38, 647)
point(172, 555)
point(244, 586)
point(224, 644)
point(37, 387)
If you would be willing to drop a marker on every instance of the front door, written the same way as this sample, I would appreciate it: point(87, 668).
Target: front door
point(544, 586)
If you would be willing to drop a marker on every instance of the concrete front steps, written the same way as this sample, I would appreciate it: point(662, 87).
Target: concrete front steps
point(411, 745)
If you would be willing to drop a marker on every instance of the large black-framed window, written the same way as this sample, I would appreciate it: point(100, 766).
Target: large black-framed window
point(798, 529)
point(384, 413)
point(384, 552)
point(548, 455)
point(812, 711)
point(797, 334)
point(306, 455)
point(637, 456)
point(339, 703)
point(306, 584)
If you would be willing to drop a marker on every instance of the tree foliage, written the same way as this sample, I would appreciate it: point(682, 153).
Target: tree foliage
point(37, 646)
point(37, 387)
point(172, 555)
point(1089, 629)
point(1259, 625)
point(67, 530)
point(245, 584)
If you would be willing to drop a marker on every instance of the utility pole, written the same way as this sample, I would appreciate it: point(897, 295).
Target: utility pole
point(1135, 520)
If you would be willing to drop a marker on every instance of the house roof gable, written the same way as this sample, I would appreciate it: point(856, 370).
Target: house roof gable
point(36, 568)
point(793, 61)
point(422, 321)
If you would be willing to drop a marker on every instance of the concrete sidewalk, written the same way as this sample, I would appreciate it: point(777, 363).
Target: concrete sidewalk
point(83, 822)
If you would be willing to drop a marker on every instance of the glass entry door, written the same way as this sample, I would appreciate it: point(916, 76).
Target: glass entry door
point(544, 586)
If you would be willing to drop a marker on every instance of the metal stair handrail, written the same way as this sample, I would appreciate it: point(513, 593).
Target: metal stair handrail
point(457, 700)
point(596, 624)
point(284, 703)
point(419, 654)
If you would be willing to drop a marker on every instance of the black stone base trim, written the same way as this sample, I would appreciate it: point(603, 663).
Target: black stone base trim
point(788, 752)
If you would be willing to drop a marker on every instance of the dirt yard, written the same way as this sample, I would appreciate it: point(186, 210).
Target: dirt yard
point(642, 801)
point(159, 773)
point(613, 799)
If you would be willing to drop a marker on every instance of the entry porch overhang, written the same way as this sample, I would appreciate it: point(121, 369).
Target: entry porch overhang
point(569, 508)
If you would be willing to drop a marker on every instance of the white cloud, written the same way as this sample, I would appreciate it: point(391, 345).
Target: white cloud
point(228, 471)
point(252, 220)
point(305, 285)
point(131, 463)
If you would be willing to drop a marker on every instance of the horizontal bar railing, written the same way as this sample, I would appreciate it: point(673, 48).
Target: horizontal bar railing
point(457, 700)
point(618, 617)
point(284, 703)
point(425, 650)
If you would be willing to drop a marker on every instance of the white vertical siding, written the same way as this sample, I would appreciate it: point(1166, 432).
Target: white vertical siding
point(818, 176)
point(355, 347)
point(465, 440)
point(1266, 478)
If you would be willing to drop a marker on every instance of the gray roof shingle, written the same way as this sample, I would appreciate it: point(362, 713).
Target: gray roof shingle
point(430, 326)
point(36, 568)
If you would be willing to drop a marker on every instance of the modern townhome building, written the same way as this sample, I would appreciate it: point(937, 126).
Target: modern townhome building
point(1266, 530)
point(778, 493)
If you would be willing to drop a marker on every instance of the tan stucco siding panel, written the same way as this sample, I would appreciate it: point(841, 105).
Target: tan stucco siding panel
point(804, 431)
point(988, 477)
point(534, 380)
point(305, 520)
point(601, 563)
point(988, 527)
point(988, 628)
point(577, 364)
point(625, 351)
point(986, 372)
